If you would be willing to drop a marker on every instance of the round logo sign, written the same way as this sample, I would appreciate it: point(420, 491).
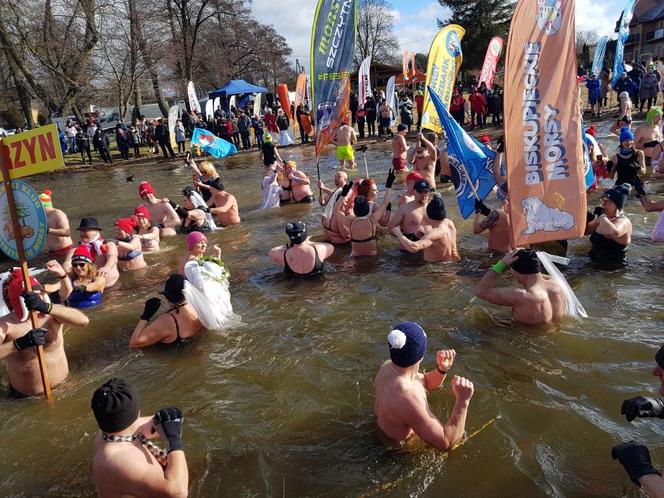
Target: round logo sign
point(453, 44)
point(31, 218)
point(549, 16)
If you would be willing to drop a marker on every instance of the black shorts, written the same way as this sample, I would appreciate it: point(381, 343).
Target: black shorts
point(12, 393)
point(306, 200)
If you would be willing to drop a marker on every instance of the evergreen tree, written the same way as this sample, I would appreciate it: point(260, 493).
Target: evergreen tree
point(482, 19)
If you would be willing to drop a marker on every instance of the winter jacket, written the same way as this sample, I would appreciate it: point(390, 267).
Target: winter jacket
point(477, 103)
point(649, 87)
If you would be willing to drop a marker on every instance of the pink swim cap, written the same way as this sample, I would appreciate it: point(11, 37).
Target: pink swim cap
point(194, 238)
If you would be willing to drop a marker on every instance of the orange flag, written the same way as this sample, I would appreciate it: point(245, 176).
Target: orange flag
point(543, 148)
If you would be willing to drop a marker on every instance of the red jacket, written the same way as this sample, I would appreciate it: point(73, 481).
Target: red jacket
point(457, 103)
point(419, 103)
point(477, 103)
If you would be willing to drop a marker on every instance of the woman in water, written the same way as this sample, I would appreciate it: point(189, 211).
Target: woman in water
point(611, 231)
point(197, 245)
point(148, 234)
point(298, 183)
point(130, 254)
point(271, 188)
point(179, 323)
point(369, 189)
point(301, 258)
point(194, 213)
point(204, 176)
point(87, 285)
point(628, 162)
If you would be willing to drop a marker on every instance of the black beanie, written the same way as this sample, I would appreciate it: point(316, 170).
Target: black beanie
point(115, 405)
point(297, 232)
point(618, 194)
point(659, 357)
point(361, 206)
point(173, 288)
point(436, 208)
point(528, 262)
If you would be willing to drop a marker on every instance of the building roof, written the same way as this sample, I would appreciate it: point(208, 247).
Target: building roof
point(654, 14)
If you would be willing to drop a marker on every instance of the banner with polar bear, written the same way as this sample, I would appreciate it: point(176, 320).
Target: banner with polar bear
point(543, 140)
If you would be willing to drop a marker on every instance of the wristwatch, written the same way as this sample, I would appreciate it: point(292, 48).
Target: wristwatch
point(442, 372)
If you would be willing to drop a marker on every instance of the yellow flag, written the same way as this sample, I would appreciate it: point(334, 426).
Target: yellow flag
point(445, 59)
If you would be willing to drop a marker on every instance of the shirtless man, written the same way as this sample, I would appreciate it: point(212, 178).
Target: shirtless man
point(130, 249)
point(424, 159)
point(385, 115)
point(104, 254)
point(411, 178)
point(58, 240)
point(340, 179)
point(439, 241)
point(410, 216)
point(18, 338)
point(222, 204)
point(497, 222)
point(648, 136)
point(344, 138)
point(401, 406)
point(123, 465)
point(541, 300)
point(180, 322)
point(162, 213)
point(399, 148)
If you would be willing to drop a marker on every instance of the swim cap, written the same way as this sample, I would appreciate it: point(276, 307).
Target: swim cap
point(659, 357)
point(413, 177)
point(618, 194)
point(528, 262)
point(13, 289)
point(115, 405)
point(82, 254)
point(144, 188)
point(436, 208)
point(626, 134)
point(173, 288)
point(652, 114)
point(267, 138)
point(407, 344)
point(297, 232)
point(421, 186)
point(361, 206)
point(142, 211)
point(194, 238)
point(127, 225)
point(45, 198)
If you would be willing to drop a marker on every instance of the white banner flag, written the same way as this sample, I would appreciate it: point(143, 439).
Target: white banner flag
point(364, 81)
point(194, 105)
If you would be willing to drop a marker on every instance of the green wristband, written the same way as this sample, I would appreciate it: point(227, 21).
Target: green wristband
point(499, 267)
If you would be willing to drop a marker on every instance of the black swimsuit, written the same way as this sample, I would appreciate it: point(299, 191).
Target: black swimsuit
point(317, 269)
point(178, 340)
point(329, 228)
point(608, 253)
point(627, 169)
point(373, 232)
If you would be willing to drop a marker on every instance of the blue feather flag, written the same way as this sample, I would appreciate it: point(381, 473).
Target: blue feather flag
point(212, 144)
point(471, 162)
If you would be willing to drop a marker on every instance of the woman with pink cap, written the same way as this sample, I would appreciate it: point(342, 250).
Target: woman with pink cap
point(197, 245)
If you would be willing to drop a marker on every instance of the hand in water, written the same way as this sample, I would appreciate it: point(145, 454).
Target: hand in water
point(54, 266)
point(462, 388)
point(445, 359)
point(635, 458)
point(510, 257)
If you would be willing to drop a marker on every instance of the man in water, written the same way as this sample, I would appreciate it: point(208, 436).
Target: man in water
point(424, 159)
point(648, 136)
point(410, 217)
point(162, 213)
point(399, 148)
point(104, 254)
point(401, 406)
point(125, 463)
point(541, 300)
point(58, 240)
point(344, 138)
point(496, 222)
point(439, 241)
point(409, 195)
point(340, 179)
point(223, 205)
point(635, 457)
point(18, 339)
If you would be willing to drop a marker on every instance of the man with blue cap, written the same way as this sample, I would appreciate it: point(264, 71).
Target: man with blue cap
point(401, 406)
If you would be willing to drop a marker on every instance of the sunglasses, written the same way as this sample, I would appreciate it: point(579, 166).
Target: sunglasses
point(79, 265)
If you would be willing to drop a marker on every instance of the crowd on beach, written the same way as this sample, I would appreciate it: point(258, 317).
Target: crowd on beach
point(85, 263)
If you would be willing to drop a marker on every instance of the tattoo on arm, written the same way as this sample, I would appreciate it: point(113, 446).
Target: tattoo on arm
point(490, 220)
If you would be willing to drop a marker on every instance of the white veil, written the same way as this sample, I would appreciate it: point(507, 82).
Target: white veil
point(574, 307)
point(199, 203)
point(206, 290)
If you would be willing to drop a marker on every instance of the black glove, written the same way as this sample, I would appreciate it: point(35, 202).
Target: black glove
point(170, 420)
point(609, 166)
point(36, 337)
point(481, 208)
point(346, 188)
point(642, 407)
point(389, 207)
point(598, 211)
point(635, 458)
point(79, 288)
point(590, 217)
point(151, 307)
point(35, 303)
point(390, 178)
point(501, 144)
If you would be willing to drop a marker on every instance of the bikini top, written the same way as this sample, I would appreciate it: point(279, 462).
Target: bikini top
point(178, 340)
point(316, 270)
point(373, 231)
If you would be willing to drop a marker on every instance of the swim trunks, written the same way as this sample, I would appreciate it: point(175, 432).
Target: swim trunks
point(398, 164)
point(345, 153)
point(385, 122)
point(60, 252)
point(12, 393)
point(307, 200)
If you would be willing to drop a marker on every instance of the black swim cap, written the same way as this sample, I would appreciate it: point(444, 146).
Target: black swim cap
point(115, 405)
point(173, 288)
point(436, 208)
point(659, 357)
point(297, 232)
point(361, 206)
point(528, 262)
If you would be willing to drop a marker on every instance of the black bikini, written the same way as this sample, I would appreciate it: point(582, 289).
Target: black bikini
point(373, 232)
point(178, 340)
point(317, 269)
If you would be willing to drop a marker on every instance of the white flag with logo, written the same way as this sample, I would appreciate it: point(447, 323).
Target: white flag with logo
point(364, 81)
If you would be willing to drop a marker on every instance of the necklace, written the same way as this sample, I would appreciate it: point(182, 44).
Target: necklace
point(157, 452)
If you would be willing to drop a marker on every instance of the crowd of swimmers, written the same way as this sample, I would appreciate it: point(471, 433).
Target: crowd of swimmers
point(353, 212)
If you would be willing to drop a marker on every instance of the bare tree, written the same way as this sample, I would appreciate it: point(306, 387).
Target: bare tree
point(375, 33)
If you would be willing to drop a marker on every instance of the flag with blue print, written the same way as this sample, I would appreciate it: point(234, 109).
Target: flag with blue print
point(590, 174)
point(471, 162)
point(212, 144)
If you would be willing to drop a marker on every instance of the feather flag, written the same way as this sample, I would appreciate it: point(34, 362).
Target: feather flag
point(212, 144)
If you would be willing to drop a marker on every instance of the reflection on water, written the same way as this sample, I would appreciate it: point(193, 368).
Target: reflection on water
point(284, 400)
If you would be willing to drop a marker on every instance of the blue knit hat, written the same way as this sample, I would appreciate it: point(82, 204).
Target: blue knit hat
point(407, 343)
point(626, 134)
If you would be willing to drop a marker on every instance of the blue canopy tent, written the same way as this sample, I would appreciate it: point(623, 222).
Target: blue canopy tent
point(235, 87)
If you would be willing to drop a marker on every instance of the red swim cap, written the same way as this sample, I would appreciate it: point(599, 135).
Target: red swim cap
point(414, 176)
point(126, 224)
point(145, 188)
point(142, 212)
point(82, 253)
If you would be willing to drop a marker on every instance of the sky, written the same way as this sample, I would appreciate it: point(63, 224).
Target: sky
point(416, 21)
